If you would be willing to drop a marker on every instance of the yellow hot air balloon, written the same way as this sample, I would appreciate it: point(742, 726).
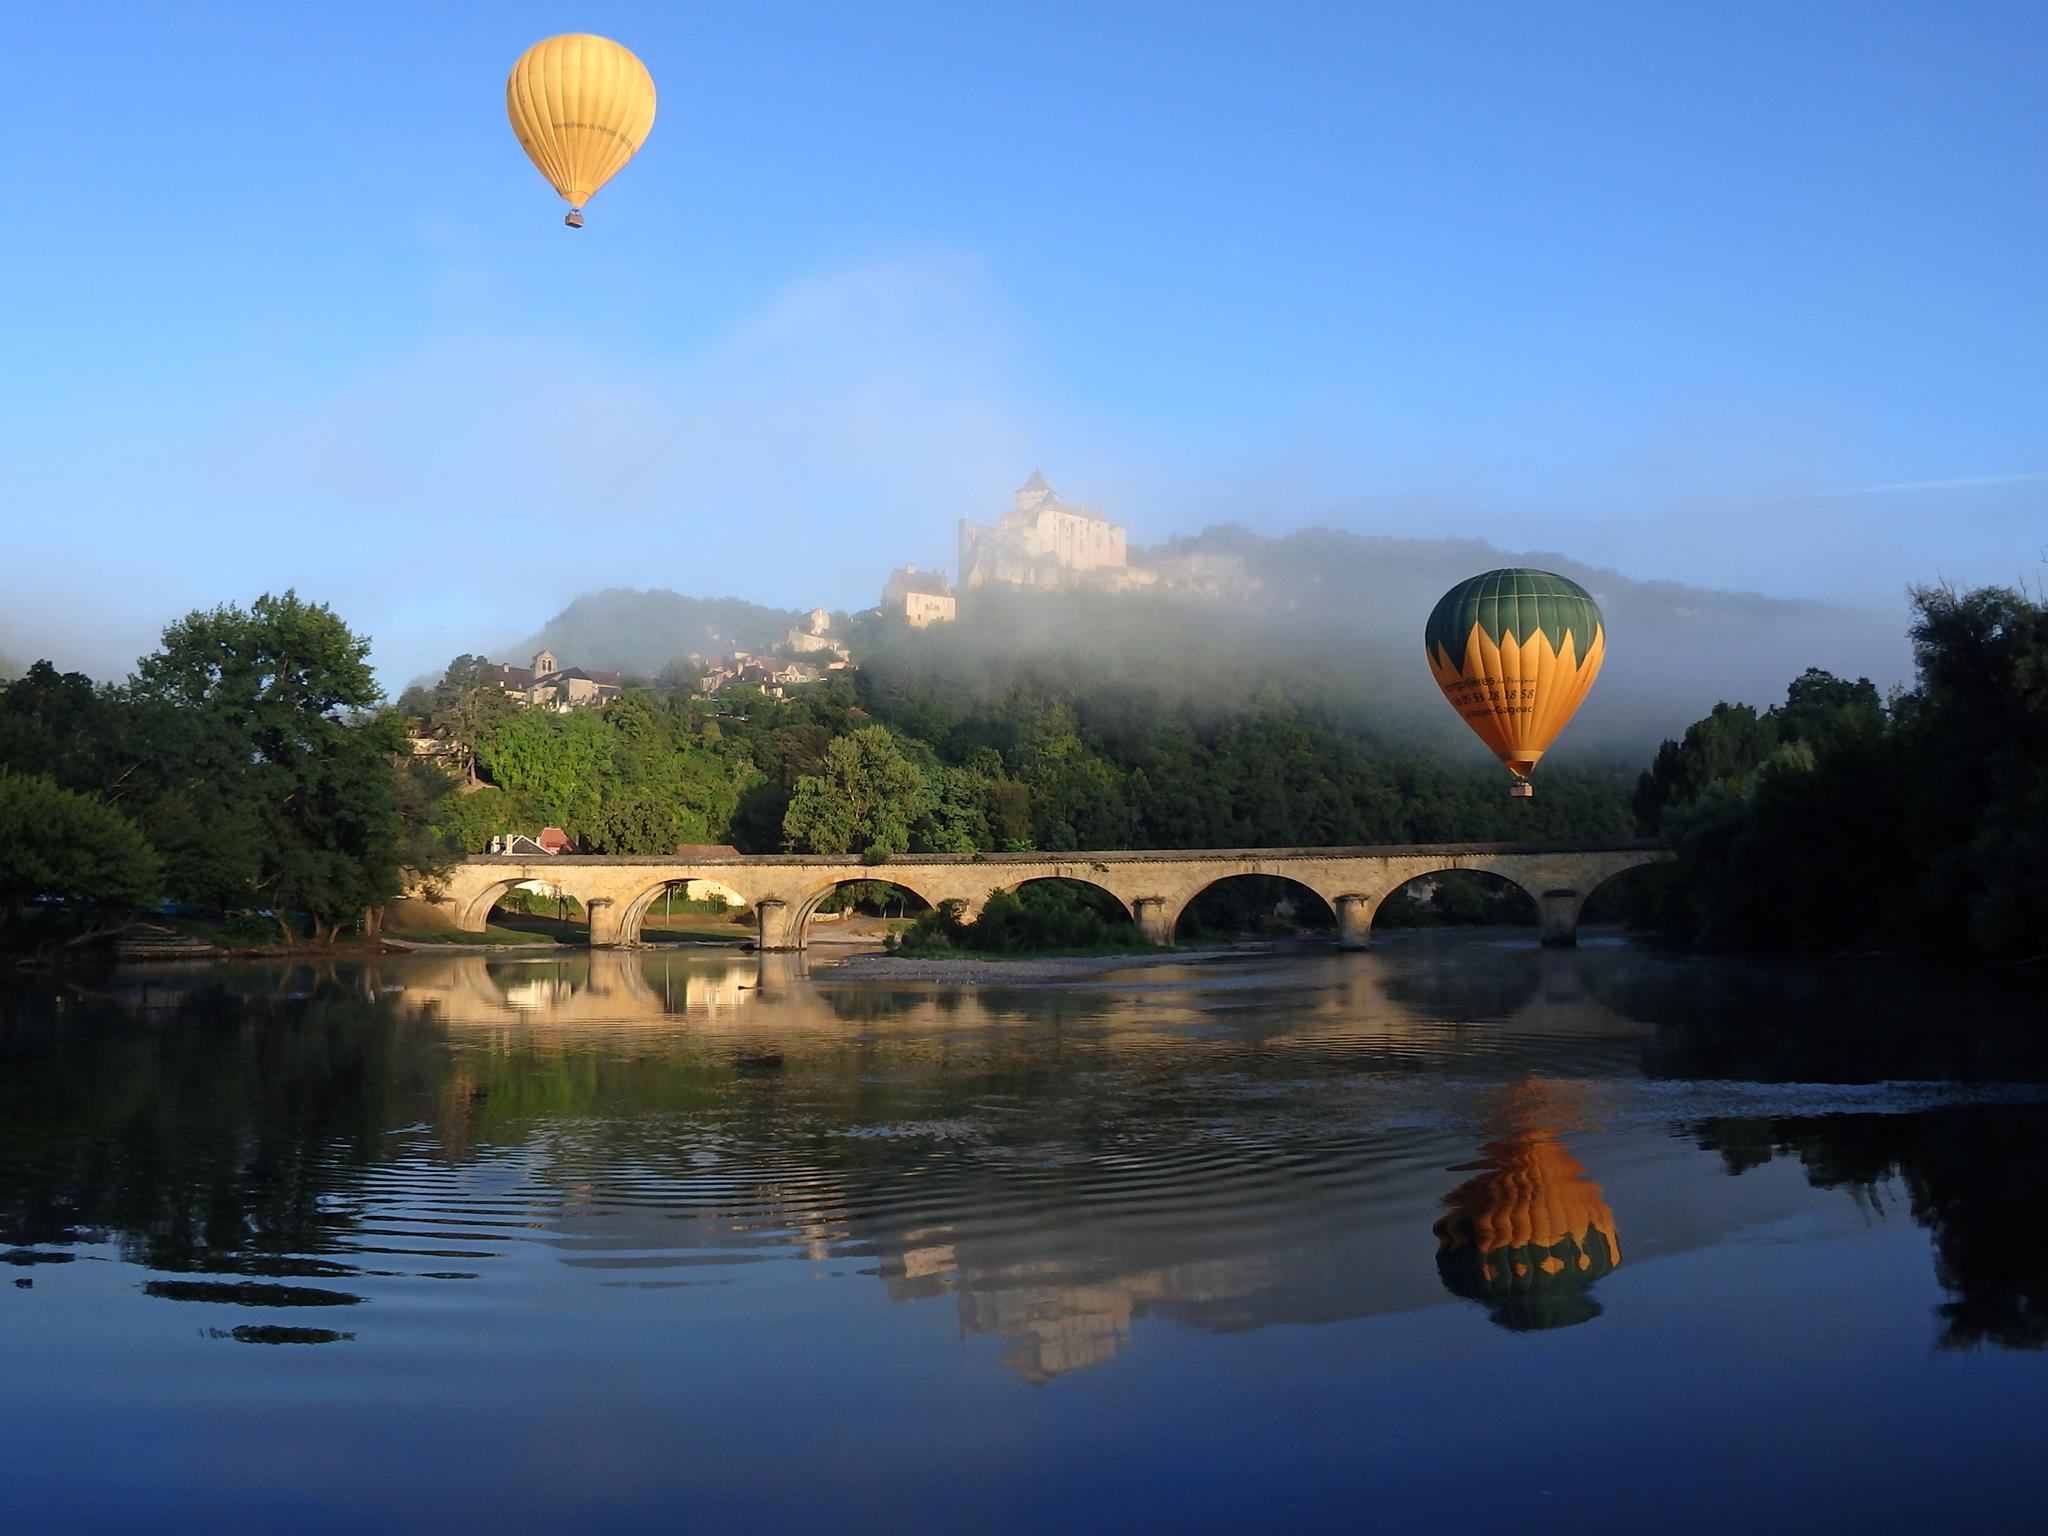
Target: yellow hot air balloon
point(581, 106)
point(1515, 652)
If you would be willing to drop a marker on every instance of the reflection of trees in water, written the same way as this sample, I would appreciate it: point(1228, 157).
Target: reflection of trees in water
point(211, 1136)
point(240, 1143)
point(1439, 981)
point(1846, 1023)
point(1975, 1177)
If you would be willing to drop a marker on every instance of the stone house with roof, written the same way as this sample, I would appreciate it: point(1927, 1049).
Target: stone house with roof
point(920, 597)
point(549, 685)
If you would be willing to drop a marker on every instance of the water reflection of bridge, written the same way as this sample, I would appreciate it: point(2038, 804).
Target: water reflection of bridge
point(1226, 1148)
point(1073, 1301)
point(594, 986)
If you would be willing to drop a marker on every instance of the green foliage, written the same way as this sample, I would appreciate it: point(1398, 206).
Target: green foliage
point(864, 801)
point(470, 820)
point(539, 904)
point(1457, 898)
point(250, 754)
point(878, 898)
point(1845, 826)
point(1254, 904)
point(1726, 752)
point(467, 706)
point(280, 756)
point(57, 843)
point(1042, 915)
point(554, 765)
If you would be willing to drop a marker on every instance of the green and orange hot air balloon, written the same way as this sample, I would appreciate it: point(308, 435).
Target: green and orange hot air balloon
point(1515, 652)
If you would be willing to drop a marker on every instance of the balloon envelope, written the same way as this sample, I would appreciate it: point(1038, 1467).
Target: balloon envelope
point(581, 106)
point(1515, 652)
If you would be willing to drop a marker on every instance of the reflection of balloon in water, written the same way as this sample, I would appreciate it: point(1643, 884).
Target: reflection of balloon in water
point(1515, 652)
point(581, 106)
point(1529, 1234)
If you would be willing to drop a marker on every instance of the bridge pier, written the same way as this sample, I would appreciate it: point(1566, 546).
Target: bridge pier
point(608, 924)
point(1560, 916)
point(1155, 921)
point(1354, 921)
point(776, 929)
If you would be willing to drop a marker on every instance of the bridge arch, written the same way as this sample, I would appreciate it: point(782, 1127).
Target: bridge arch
point(1068, 877)
point(1495, 880)
point(475, 913)
point(1271, 891)
point(1110, 906)
point(799, 913)
point(1606, 882)
point(633, 909)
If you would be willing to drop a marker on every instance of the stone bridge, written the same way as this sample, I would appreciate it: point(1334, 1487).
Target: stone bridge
point(785, 890)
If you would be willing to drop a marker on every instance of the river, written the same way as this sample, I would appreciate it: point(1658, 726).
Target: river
point(1459, 1231)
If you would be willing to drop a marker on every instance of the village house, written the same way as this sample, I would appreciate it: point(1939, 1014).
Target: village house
point(549, 685)
point(921, 597)
point(767, 673)
point(814, 634)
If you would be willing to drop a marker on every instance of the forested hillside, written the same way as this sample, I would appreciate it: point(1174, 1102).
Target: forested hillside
point(884, 762)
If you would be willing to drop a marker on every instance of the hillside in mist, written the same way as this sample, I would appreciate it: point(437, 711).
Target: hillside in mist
point(1332, 620)
point(639, 632)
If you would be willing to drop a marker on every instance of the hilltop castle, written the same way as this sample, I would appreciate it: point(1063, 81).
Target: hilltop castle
point(1042, 542)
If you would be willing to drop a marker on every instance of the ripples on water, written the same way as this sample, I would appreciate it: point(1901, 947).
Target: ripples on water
point(1240, 1216)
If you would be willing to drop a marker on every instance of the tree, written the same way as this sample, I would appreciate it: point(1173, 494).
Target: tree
point(469, 819)
point(554, 766)
point(60, 725)
point(55, 842)
point(469, 705)
point(866, 799)
point(1818, 703)
point(1834, 824)
point(276, 753)
point(1722, 752)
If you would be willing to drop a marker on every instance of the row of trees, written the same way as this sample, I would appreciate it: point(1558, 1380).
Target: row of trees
point(247, 766)
point(1837, 821)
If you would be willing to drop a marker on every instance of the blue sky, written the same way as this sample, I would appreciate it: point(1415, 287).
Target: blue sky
point(1749, 295)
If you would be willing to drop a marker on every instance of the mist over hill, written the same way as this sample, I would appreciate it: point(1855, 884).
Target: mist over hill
point(1673, 650)
point(1333, 621)
point(622, 629)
